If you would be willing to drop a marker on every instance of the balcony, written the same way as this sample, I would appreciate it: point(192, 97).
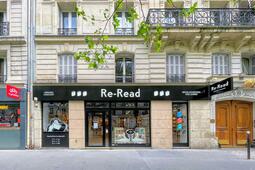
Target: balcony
point(4, 28)
point(67, 78)
point(176, 78)
point(202, 17)
point(3, 78)
point(67, 31)
point(124, 31)
point(124, 78)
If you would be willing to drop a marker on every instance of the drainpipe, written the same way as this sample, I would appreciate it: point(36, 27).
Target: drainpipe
point(30, 52)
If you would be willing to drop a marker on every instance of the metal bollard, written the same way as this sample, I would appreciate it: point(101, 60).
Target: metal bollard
point(248, 145)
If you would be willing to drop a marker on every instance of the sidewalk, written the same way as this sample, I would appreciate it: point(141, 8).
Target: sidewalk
point(127, 159)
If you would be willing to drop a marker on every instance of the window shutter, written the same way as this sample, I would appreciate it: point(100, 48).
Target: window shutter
point(220, 64)
point(175, 67)
point(253, 65)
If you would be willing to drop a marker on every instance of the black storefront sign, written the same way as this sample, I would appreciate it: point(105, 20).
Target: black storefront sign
point(120, 93)
point(55, 139)
point(222, 86)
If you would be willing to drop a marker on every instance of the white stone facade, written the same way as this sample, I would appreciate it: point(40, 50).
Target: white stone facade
point(196, 44)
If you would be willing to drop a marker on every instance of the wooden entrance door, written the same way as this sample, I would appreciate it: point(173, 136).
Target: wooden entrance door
point(233, 119)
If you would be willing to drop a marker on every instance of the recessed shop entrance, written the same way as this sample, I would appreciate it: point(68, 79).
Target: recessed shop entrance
point(97, 128)
point(233, 120)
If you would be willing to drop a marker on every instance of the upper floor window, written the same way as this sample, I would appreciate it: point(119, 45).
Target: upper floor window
point(67, 69)
point(175, 68)
point(2, 70)
point(248, 65)
point(4, 26)
point(125, 28)
point(68, 23)
point(124, 69)
point(221, 64)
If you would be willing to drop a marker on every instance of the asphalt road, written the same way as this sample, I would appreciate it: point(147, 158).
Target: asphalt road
point(126, 159)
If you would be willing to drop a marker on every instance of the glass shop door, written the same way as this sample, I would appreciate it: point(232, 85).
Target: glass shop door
point(97, 128)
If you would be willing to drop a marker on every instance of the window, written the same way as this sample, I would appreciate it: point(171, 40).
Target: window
point(125, 27)
point(248, 65)
point(124, 70)
point(9, 115)
point(131, 126)
point(55, 117)
point(175, 68)
point(2, 70)
point(221, 64)
point(4, 26)
point(180, 124)
point(67, 69)
point(68, 23)
point(1, 17)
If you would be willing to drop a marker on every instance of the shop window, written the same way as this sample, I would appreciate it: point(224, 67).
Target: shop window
point(248, 65)
point(124, 70)
point(175, 68)
point(130, 127)
point(180, 124)
point(67, 69)
point(55, 117)
point(9, 115)
point(221, 64)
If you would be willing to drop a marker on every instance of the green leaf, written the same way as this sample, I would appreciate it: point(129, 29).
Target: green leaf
point(189, 11)
point(104, 37)
point(132, 15)
point(116, 21)
point(90, 42)
point(169, 2)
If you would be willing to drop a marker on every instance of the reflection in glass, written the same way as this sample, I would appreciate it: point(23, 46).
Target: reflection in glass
point(130, 127)
point(180, 123)
point(9, 115)
point(95, 128)
point(55, 117)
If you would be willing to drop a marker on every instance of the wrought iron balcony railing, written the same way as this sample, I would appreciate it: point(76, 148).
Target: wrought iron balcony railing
point(4, 28)
point(176, 78)
point(67, 78)
point(67, 31)
point(124, 78)
point(202, 17)
point(3, 78)
point(124, 31)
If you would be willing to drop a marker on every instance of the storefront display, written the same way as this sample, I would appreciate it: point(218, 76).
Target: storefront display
point(130, 127)
point(129, 123)
point(180, 123)
point(55, 124)
point(9, 116)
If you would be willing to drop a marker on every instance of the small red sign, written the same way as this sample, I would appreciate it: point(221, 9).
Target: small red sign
point(12, 92)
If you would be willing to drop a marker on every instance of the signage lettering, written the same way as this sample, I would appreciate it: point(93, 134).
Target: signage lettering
point(48, 93)
point(12, 92)
point(120, 93)
point(222, 86)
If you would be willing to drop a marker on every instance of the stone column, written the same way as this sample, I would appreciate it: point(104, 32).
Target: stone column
point(37, 128)
point(76, 124)
point(199, 125)
point(161, 124)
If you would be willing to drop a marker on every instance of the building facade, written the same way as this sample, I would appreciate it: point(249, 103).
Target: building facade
point(13, 70)
point(142, 97)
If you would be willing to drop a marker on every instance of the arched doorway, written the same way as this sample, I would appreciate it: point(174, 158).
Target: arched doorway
point(233, 119)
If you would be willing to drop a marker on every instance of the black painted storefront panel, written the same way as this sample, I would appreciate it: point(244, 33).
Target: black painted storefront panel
point(120, 93)
point(55, 139)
